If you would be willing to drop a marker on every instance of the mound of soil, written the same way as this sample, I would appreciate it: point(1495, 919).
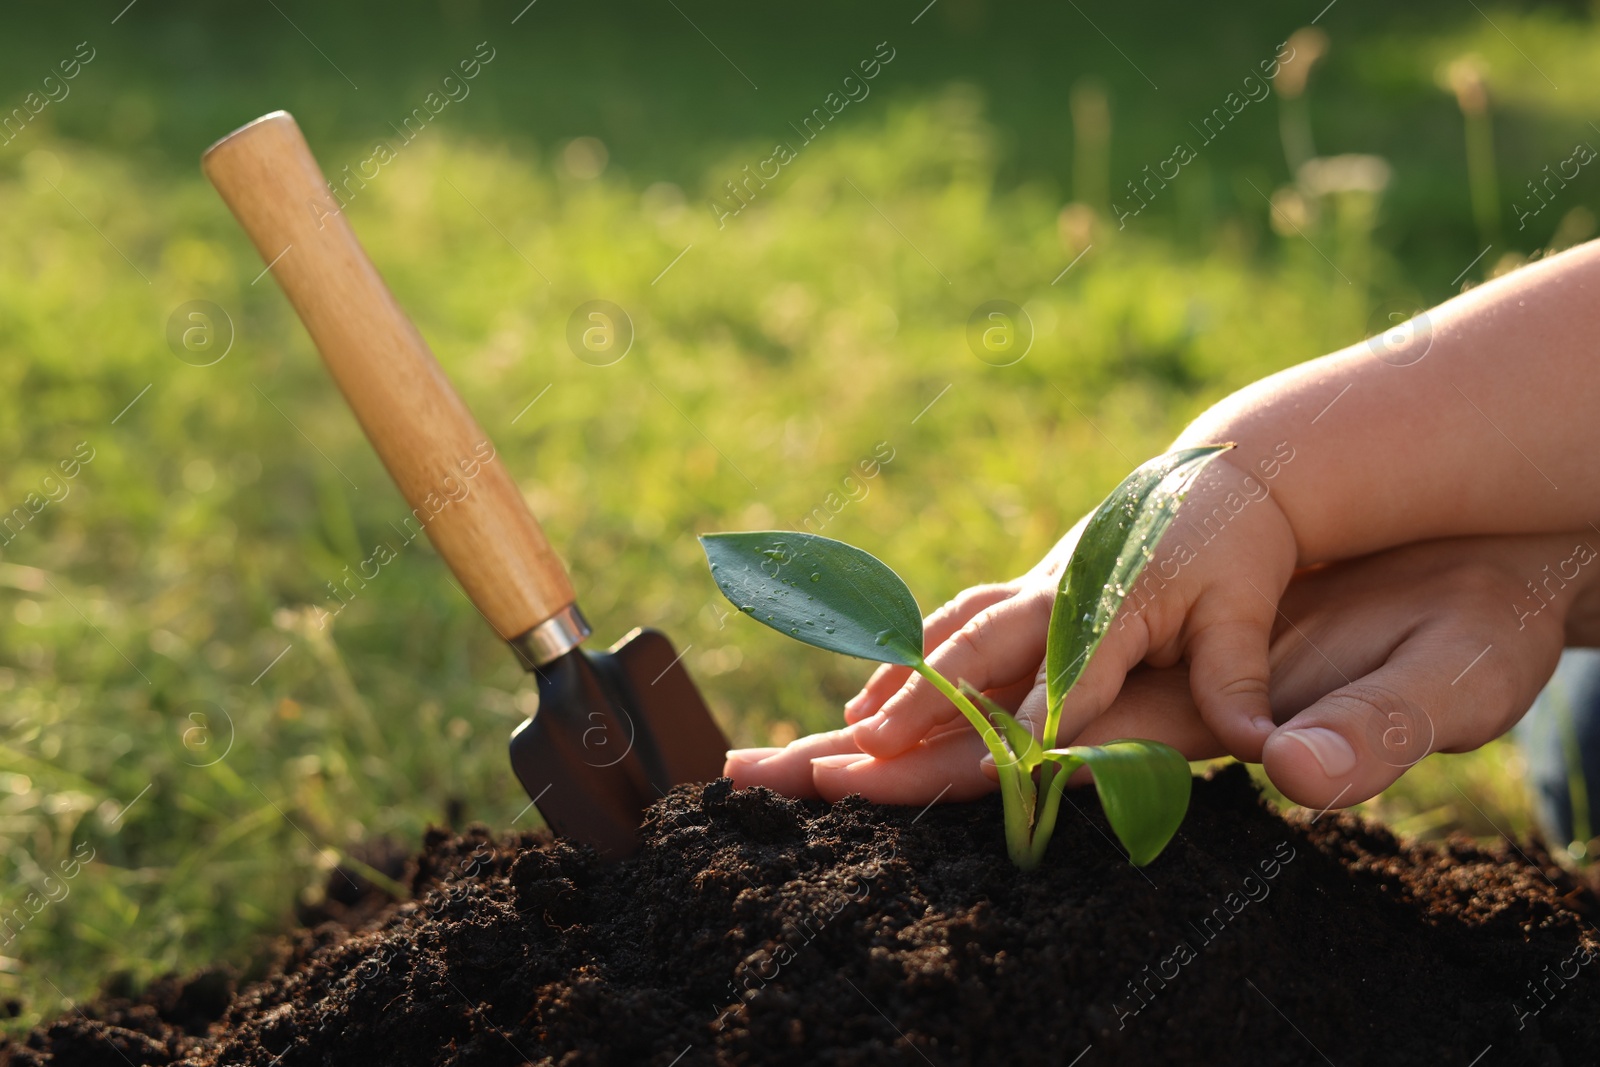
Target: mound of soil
point(752, 929)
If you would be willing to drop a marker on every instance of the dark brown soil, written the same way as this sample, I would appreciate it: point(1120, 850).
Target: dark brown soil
point(755, 929)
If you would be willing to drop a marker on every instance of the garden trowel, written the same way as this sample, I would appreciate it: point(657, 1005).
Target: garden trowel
point(613, 730)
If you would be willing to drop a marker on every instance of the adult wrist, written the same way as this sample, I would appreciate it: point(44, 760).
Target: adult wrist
point(1582, 618)
point(1560, 582)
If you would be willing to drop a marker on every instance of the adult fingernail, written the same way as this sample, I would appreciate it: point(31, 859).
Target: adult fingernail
point(842, 760)
point(1263, 724)
point(1331, 750)
point(750, 755)
point(987, 760)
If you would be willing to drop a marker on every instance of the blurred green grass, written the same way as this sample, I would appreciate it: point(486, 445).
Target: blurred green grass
point(144, 709)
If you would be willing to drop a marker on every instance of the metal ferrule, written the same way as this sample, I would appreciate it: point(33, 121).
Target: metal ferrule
point(553, 638)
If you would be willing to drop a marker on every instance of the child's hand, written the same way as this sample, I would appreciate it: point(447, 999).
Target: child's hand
point(945, 766)
point(1434, 647)
point(1208, 598)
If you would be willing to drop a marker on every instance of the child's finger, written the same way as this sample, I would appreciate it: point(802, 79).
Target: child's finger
point(1229, 673)
point(999, 646)
point(1031, 713)
point(786, 770)
point(790, 770)
point(883, 684)
point(1011, 696)
point(944, 767)
point(936, 630)
point(1154, 704)
point(1097, 689)
point(1356, 741)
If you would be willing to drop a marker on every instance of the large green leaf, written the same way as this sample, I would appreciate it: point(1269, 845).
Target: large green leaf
point(820, 591)
point(1143, 786)
point(1117, 542)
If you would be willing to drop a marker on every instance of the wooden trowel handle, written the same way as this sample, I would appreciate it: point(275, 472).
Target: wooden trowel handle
point(437, 453)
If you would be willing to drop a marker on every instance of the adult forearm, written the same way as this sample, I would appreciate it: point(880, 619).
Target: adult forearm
point(1483, 418)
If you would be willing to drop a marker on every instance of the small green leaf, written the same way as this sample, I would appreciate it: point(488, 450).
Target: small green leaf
point(1026, 751)
point(1022, 743)
point(1143, 786)
point(1117, 542)
point(820, 591)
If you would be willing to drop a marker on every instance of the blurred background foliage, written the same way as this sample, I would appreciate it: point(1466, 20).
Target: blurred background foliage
point(167, 697)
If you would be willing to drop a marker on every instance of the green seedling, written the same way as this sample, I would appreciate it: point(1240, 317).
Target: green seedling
point(835, 596)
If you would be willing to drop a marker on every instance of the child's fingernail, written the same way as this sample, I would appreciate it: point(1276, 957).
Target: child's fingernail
point(987, 761)
point(872, 723)
point(750, 755)
point(1332, 751)
point(842, 760)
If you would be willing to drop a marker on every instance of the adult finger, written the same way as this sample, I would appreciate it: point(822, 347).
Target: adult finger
point(936, 630)
point(1355, 742)
point(997, 647)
